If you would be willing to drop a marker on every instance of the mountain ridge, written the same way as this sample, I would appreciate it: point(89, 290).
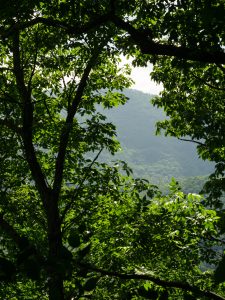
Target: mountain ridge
point(151, 156)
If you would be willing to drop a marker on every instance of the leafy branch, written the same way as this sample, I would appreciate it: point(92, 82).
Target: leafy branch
point(161, 282)
point(27, 134)
point(148, 46)
point(97, 21)
point(139, 36)
point(9, 229)
point(208, 84)
point(64, 138)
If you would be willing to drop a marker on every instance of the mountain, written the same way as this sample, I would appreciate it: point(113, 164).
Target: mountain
point(157, 158)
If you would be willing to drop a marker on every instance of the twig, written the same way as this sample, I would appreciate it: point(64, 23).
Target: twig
point(35, 62)
point(208, 84)
point(64, 138)
point(77, 190)
point(191, 141)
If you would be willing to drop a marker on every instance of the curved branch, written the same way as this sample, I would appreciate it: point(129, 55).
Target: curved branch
point(19, 240)
point(23, 243)
point(97, 21)
point(64, 138)
point(158, 281)
point(27, 133)
point(140, 38)
point(148, 46)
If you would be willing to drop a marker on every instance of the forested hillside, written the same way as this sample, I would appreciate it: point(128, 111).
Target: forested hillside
point(74, 224)
point(157, 158)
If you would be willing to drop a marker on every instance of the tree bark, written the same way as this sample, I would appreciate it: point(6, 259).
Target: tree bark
point(55, 282)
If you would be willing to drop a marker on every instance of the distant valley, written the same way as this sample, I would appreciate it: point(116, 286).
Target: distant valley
point(156, 158)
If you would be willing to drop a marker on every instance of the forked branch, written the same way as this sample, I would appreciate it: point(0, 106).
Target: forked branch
point(64, 138)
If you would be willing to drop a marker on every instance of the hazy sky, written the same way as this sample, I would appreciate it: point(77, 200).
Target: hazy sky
point(142, 79)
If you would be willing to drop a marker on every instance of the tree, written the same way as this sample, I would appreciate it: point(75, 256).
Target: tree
point(32, 118)
point(56, 57)
point(157, 27)
point(193, 98)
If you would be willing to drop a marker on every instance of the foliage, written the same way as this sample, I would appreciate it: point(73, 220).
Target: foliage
point(200, 113)
point(68, 223)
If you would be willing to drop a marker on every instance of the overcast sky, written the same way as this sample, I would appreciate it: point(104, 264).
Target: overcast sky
point(142, 79)
point(143, 82)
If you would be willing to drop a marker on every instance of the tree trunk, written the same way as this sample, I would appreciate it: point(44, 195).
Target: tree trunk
point(55, 283)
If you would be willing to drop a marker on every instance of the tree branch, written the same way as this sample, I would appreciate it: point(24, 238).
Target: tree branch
point(23, 243)
point(148, 46)
point(161, 282)
point(19, 240)
point(29, 88)
point(27, 134)
point(191, 141)
point(97, 21)
point(64, 138)
point(208, 84)
point(77, 190)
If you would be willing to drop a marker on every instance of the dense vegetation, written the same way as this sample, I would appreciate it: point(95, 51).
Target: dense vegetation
point(73, 227)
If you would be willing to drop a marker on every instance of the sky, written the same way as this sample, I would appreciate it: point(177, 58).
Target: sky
point(142, 79)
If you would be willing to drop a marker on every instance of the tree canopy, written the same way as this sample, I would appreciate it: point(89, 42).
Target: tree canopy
point(71, 226)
